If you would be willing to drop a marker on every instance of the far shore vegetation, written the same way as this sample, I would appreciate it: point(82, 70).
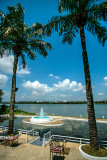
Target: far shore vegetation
point(56, 102)
point(4, 109)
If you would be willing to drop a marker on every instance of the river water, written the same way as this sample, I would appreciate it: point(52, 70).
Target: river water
point(70, 127)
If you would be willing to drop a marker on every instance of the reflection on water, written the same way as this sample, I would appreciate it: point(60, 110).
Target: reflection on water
point(70, 128)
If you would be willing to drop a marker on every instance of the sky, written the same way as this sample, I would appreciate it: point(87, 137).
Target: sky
point(60, 76)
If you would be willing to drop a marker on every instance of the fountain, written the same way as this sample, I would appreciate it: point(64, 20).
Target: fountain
point(44, 120)
point(41, 118)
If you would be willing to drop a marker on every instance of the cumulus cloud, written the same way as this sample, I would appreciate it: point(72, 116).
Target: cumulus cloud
point(56, 77)
point(105, 78)
point(37, 87)
point(3, 80)
point(66, 84)
point(23, 71)
point(6, 64)
point(76, 86)
point(51, 75)
point(100, 94)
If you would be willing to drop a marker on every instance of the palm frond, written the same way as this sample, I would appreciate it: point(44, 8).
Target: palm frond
point(68, 5)
point(34, 30)
point(2, 14)
point(69, 35)
point(23, 60)
point(59, 23)
point(39, 46)
point(53, 25)
point(29, 52)
point(99, 11)
point(65, 25)
point(31, 55)
point(97, 30)
point(16, 36)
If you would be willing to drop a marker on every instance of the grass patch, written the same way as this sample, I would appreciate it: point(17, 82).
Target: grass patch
point(100, 153)
point(22, 112)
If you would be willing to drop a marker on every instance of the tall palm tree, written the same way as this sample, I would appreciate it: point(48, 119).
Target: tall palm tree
point(23, 41)
point(82, 14)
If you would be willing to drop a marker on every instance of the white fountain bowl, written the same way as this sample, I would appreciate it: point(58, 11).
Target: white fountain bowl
point(39, 119)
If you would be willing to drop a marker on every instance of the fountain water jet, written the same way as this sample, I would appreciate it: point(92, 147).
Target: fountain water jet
point(41, 118)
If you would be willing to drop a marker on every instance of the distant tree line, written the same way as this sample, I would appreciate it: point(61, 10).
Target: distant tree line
point(57, 102)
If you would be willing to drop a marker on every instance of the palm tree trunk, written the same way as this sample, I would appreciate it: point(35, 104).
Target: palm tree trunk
point(12, 100)
point(90, 104)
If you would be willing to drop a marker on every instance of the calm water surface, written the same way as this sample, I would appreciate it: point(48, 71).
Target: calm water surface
point(70, 127)
point(65, 109)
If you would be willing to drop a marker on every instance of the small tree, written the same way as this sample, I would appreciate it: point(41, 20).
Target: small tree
point(1, 94)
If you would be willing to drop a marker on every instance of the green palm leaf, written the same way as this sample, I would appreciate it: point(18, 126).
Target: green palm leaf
point(97, 30)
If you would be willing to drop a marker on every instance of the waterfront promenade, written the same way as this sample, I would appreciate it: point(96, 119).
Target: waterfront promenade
point(32, 152)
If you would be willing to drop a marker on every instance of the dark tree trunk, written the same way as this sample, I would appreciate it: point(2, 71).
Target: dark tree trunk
point(90, 104)
point(12, 100)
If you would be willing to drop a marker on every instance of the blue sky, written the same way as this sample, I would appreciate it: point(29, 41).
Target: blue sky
point(60, 76)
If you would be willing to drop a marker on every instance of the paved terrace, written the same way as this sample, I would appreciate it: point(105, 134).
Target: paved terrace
point(31, 152)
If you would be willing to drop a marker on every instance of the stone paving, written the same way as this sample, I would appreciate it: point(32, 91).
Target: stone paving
point(26, 151)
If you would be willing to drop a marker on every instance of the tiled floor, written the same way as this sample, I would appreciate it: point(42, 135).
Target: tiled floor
point(24, 151)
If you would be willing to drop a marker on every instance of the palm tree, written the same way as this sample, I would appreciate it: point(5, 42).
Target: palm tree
point(82, 14)
point(23, 41)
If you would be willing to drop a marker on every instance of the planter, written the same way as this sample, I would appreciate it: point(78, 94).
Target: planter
point(89, 157)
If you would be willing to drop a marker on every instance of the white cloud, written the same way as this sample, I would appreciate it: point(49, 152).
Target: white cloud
point(44, 91)
point(64, 95)
point(105, 84)
point(51, 75)
point(6, 64)
point(100, 94)
point(105, 78)
point(23, 71)
point(3, 80)
point(78, 87)
point(37, 87)
point(66, 85)
point(56, 77)
point(84, 90)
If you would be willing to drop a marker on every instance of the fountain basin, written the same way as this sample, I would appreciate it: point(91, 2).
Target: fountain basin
point(43, 120)
point(39, 119)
